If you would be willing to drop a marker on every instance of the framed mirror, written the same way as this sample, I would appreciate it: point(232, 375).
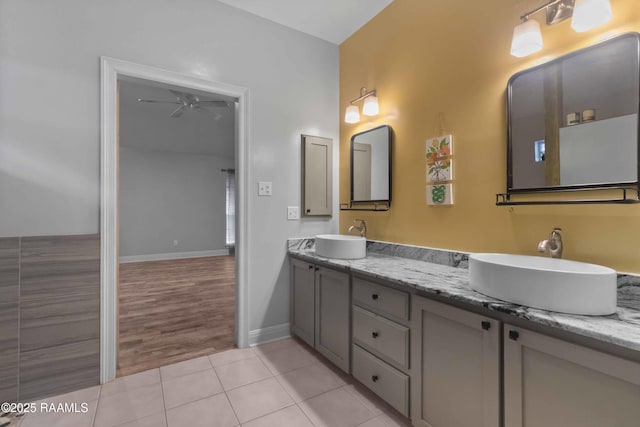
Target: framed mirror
point(573, 122)
point(371, 166)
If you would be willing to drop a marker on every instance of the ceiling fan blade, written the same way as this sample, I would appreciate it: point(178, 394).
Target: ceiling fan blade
point(216, 116)
point(155, 101)
point(178, 111)
point(203, 109)
point(217, 103)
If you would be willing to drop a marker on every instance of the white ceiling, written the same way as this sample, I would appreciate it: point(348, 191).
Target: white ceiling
point(148, 126)
point(331, 20)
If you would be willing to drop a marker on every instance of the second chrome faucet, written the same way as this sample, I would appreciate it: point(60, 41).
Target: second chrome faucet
point(553, 244)
point(362, 228)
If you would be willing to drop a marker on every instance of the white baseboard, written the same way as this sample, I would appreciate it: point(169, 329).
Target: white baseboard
point(272, 333)
point(173, 255)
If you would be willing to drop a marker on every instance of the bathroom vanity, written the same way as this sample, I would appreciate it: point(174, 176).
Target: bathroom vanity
point(406, 324)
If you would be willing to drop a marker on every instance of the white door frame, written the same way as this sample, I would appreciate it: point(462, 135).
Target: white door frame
point(111, 70)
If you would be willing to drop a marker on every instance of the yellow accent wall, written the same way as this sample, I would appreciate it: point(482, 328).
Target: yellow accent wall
point(452, 56)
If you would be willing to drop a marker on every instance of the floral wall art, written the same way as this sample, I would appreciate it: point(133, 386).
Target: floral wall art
point(440, 170)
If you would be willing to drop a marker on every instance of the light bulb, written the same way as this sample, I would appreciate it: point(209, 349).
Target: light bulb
point(370, 107)
point(588, 14)
point(352, 115)
point(527, 39)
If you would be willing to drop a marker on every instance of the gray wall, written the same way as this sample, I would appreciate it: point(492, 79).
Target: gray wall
point(49, 113)
point(171, 184)
point(167, 196)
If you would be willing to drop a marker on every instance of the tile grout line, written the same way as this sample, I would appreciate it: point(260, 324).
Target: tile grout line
point(249, 383)
point(164, 403)
point(269, 413)
point(95, 414)
point(232, 362)
point(193, 401)
point(304, 413)
point(243, 385)
point(338, 387)
point(235, 361)
point(232, 408)
point(19, 315)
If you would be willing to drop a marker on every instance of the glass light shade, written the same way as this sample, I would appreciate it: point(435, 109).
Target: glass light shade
point(588, 14)
point(370, 107)
point(352, 115)
point(527, 39)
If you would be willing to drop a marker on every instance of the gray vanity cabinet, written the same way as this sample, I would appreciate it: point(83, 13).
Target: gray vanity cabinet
point(381, 341)
point(456, 367)
point(332, 305)
point(553, 383)
point(320, 304)
point(303, 297)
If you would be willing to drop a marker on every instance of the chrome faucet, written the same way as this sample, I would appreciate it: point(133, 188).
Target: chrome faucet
point(362, 228)
point(553, 243)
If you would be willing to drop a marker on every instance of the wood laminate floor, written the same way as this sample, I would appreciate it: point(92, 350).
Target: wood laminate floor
point(174, 310)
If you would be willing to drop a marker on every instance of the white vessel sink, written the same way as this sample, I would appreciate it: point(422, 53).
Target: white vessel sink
point(551, 284)
point(341, 246)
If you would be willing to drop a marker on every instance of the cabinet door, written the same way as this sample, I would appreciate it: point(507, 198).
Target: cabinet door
point(552, 383)
point(332, 316)
point(303, 300)
point(456, 367)
point(317, 175)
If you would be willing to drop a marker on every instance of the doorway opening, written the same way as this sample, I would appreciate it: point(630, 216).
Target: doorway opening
point(176, 174)
point(150, 259)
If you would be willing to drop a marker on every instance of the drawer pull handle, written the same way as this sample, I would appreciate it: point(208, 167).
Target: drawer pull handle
point(374, 334)
point(514, 335)
point(311, 267)
point(375, 297)
point(317, 268)
point(374, 378)
point(486, 325)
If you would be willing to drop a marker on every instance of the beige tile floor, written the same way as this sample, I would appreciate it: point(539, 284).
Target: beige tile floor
point(280, 384)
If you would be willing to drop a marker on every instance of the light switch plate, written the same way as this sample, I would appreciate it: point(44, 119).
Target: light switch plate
point(293, 212)
point(264, 188)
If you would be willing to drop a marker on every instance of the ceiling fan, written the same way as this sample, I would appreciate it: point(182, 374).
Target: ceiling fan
point(185, 100)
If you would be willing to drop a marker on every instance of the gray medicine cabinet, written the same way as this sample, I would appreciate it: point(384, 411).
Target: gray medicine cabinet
point(317, 176)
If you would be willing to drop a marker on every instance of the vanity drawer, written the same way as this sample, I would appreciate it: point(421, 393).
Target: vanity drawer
point(381, 298)
point(389, 339)
point(384, 380)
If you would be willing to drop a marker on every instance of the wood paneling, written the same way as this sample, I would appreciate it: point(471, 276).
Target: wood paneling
point(9, 352)
point(175, 310)
point(59, 266)
point(9, 314)
point(59, 314)
point(60, 369)
point(9, 269)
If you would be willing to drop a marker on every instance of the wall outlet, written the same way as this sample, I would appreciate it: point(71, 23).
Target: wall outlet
point(175, 243)
point(293, 212)
point(264, 188)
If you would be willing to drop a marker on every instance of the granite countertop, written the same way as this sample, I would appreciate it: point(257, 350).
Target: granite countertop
point(445, 273)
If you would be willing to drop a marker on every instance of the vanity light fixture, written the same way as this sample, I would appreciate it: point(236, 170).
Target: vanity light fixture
point(527, 38)
point(352, 115)
point(369, 108)
point(588, 14)
point(585, 14)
